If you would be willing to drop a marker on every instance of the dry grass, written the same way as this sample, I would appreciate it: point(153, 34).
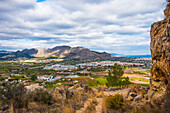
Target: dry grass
point(74, 97)
point(68, 109)
point(78, 99)
point(99, 91)
point(94, 100)
point(36, 106)
point(144, 109)
point(100, 94)
point(104, 108)
point(90, 108)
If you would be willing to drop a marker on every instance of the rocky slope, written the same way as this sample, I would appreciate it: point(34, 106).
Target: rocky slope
point(159, 92)
point(66, 52)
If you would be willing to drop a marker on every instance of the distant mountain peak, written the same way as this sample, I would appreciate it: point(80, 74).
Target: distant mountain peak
point(65, 52)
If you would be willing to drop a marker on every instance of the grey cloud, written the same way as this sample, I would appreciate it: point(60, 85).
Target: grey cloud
point(55, 26)
point(13, 5)
point(9, 48)
point(80, 22)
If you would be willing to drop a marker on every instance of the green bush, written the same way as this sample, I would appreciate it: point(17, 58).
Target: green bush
point(93, 84)
point(2, 78)
point(114, 102)
point(33, 77)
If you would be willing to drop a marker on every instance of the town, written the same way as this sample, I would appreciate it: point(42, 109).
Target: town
point(36, 75)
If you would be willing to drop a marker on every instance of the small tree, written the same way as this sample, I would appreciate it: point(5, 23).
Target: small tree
point(33, 77)
point(115, 76)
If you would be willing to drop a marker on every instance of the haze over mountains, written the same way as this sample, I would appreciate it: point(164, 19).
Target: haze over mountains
point(65, 52)
point(135, 56)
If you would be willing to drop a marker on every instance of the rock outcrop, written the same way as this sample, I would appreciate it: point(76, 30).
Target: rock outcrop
point(136, 93)
point(159, 93)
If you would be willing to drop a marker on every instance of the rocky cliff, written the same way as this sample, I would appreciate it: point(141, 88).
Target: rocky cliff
point(159, 93)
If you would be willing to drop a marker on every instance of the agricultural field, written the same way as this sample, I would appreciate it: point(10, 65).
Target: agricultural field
point(138, 75)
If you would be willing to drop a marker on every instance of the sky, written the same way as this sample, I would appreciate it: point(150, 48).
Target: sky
point(113, 26)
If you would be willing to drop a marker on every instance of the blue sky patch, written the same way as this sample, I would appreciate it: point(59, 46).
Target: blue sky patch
point(41, 0)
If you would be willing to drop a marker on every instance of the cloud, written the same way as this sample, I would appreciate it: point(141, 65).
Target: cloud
point(103, 25)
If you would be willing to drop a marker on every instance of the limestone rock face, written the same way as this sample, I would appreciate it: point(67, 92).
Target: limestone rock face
point(160, 49)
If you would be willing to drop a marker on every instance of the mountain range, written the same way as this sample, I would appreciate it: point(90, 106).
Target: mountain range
point(64, 52)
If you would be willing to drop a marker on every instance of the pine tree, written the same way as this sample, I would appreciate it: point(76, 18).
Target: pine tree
point(115, 77)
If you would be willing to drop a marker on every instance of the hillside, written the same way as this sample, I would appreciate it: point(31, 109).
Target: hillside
point(65, 52)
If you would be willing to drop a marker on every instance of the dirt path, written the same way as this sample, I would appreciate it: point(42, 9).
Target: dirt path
point(100, 100)
point(122, 91)
point(99, 105)
point(85, 106)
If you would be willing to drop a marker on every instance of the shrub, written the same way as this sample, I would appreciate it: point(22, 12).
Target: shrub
point(92, 84)
point(33, 77)
point(41, 96)
point(114, 102)
point(14, 95)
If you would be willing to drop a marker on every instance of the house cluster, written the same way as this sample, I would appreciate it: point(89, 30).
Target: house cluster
point(89, 65)
point(61, 67)
point(51, 78)
point(39, 61)
point(12, 77)
point(139, 59)
point(48, 78)
point(28, 61)
point(108, 63)
point(111, 63)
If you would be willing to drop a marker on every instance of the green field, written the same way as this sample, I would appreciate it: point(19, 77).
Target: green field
point(139, 79)
point(102, 81)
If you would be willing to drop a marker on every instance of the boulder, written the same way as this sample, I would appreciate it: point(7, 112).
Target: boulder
point(133, 94)
point(137, 98)
point(130, 98)
point(60, 93)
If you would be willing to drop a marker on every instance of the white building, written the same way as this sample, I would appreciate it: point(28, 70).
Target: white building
point(45, 77)
point(71, 76)
point(61, 67)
